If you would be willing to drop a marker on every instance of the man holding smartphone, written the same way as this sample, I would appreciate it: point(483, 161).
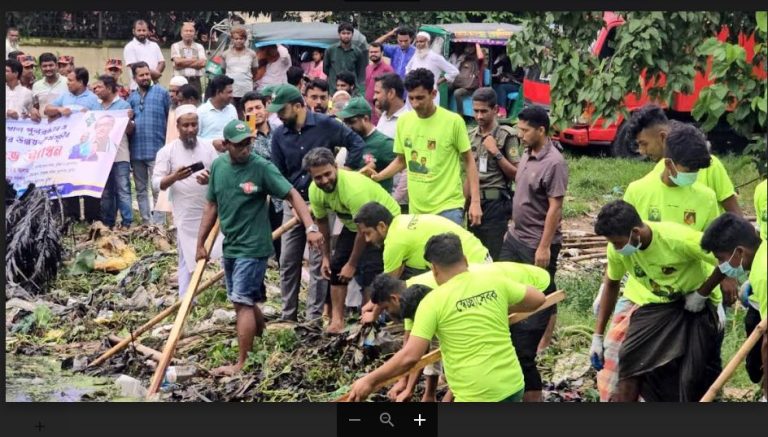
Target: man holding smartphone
point(176, 163)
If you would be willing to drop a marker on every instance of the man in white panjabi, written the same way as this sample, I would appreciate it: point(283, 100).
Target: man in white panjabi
point(434, 62)
point(186, 187)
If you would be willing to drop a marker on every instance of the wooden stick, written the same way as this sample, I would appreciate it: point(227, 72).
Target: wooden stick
point(171, 309)
point(741, 354)
point(435, 355)
point(586, 257)
point(181, 316)
point(144, 350)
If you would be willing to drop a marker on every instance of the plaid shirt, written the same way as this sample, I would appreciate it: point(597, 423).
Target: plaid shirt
point(262, 146)
point(151, 118)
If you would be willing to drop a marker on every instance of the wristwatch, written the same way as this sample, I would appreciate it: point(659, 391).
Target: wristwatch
point(312, 228)
point(499, 156)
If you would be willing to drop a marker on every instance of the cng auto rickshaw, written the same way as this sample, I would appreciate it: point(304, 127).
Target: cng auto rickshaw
point(491, 36)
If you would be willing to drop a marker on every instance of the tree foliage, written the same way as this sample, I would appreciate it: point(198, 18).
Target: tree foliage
point(675, 44)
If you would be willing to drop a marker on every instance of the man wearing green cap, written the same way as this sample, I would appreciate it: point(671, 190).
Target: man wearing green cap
point(378, 152)
point(237, 193)
point(302, 131)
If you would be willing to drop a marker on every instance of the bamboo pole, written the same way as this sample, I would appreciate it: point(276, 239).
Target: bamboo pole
point(181, 316)
point(144, 350)
point(740, 356)
point(171, 309)
point(435, 355)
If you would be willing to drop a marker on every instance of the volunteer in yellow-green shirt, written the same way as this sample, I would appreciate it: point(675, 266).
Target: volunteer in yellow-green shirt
point(650, 127)
point(674, 196)
point(667, 264)
point(344, 192)
point(761, 208)
point(432, 144)
point(404, 237)
point(742, 254)
point(387, 294)
point(468, 314)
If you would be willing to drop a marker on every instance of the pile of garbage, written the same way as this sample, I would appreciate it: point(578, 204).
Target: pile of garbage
point(34, 228)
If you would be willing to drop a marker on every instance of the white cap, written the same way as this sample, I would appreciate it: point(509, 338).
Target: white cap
point(179, 81)
point(425, 35)
point(184, 110)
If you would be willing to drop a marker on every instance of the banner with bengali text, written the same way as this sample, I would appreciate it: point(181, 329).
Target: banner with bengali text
point(74, 154)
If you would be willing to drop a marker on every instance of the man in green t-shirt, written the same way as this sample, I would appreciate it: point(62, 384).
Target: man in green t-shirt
point(238, 186)
point(743, 254)
point(377, 153)
point(669, 268)
point(404, 237)
point(468, 313)
point(674, 195)
point(344, 192)
point(435, 143)
point(650, 127)
point(388, 292)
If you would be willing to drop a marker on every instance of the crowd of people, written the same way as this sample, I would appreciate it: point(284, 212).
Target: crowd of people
point(446, 229)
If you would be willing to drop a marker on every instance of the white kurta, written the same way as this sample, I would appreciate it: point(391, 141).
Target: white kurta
point(437, 65)
point(187, 196)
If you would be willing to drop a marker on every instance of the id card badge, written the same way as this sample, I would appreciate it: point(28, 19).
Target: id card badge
point(483, 163)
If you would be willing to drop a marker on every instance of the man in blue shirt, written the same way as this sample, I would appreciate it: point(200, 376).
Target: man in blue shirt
point(150, 104)
point(77, 98)
point(400, 53)
point(302, 131)
point(218, 111)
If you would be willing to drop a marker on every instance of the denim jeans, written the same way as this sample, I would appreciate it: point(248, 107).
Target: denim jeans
point(455, 215)
point(142, 176)
point(117, 195)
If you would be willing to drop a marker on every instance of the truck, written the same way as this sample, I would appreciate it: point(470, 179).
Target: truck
point(585, 133)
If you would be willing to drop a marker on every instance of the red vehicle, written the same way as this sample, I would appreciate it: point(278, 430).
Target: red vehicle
point(584, 134)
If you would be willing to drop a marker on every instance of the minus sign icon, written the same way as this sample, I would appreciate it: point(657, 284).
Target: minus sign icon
point(355, 420)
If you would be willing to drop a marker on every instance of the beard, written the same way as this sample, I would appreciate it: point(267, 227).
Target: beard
point(320, 108)
point(290, 123)
point(422, 53)
point(375, 59)
point(189, 142)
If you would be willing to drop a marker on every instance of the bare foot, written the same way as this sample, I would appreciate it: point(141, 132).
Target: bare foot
point(227, 370)
point(335, 328)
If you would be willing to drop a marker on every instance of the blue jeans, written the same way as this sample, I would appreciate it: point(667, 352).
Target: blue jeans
point(244, 277)
point(502, 90)
point(455, 215)
point(117, 195)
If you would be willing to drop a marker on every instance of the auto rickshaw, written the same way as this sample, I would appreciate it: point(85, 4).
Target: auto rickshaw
point(491, 36)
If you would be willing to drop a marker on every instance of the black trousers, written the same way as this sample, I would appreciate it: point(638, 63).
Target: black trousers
point(527, 334)
point(495, 223)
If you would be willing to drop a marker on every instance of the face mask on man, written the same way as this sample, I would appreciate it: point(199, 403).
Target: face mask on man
point(733, 272)
point(629, 249)
point(683, 179)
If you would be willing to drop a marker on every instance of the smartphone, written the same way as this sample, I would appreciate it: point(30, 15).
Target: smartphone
point(196, 167)
point(250, 119)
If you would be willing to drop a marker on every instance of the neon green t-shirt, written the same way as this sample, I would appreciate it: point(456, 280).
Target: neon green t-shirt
point(432, 148)
point(468, 314)
point(353, 190)
point(714, 177)
point(523, 273)
point(761, 208)
point(694, 205)
point(670, 267)
point(408, 235)
point(758, 279)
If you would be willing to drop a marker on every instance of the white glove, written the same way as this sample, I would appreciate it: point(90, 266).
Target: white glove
point(596, 352)
point(694, 302)
point(596, 302)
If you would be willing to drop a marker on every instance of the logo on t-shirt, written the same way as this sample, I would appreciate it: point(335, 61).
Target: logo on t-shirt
point(368, 158)
point(689, 217)
point(431, 144)
point(477, 300)
point(408, 143)
point(668, 270)
point(639, 272)
point(248, 187)
point(654, 214)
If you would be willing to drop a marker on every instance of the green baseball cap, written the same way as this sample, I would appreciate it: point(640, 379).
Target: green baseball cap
point(236, 131)
point(355, 107)
point(267, 90)
point(281, 95)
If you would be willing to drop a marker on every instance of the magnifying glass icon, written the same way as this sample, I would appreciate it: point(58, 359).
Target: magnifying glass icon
point(386, 419)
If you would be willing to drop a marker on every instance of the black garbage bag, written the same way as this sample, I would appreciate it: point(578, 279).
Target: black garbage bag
point(674, 351)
